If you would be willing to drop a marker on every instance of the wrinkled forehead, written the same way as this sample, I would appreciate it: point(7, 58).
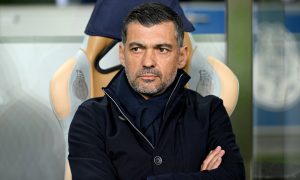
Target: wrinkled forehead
point(164, 30)
point(165, 27)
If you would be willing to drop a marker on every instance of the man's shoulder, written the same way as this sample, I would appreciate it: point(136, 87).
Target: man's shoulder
point(194, 96)
point(90, 109)
point(95, 101)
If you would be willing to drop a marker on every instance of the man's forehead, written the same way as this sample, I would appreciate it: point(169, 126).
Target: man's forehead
point(164, 30)
point(136, 23)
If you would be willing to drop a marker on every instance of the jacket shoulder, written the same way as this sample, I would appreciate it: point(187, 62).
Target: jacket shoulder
point(90, 117)
point(209, 103)
point(196, 97)
point(92, 102)
point(90, 111)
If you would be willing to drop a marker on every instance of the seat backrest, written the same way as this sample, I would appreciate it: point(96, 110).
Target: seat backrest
point(83, 76)
point(76, 81)
point(210, 75)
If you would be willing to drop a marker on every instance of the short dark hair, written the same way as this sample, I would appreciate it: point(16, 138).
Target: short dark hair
point(150, 14)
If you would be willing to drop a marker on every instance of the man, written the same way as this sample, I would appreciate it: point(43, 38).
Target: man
point(148, 126)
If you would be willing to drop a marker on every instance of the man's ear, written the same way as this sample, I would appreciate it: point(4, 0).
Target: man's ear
point(183, 57)
point(122, 53)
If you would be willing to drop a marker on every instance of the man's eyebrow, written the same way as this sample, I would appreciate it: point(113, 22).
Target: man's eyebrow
point(157, 46)
point(136, 44)
point(163, 45)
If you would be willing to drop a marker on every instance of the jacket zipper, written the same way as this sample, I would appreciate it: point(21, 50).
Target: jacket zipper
point(129, 120)
point(171, 96)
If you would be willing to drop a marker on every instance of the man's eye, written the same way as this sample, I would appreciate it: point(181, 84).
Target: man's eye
point(136, 49)
point(163, 50)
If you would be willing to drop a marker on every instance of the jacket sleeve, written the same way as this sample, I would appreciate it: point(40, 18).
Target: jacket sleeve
point(87, 157)
point(220, 134)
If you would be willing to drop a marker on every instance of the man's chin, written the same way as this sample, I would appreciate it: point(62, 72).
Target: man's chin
point(147, 81)
point(148, 91)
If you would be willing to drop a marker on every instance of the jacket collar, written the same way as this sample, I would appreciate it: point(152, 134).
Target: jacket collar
point(116, 85)
point(153, 111)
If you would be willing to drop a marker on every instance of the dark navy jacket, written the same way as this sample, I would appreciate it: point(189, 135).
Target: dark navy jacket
point(105, 144)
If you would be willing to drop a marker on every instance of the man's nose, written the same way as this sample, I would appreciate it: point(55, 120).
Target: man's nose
point(149, 58)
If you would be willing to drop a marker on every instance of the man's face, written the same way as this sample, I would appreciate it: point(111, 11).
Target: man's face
point(151, 57)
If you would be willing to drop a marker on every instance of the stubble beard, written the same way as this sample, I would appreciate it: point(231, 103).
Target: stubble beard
point(143, 87)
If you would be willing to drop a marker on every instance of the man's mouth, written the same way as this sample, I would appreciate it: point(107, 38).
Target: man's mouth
point(148, 77)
